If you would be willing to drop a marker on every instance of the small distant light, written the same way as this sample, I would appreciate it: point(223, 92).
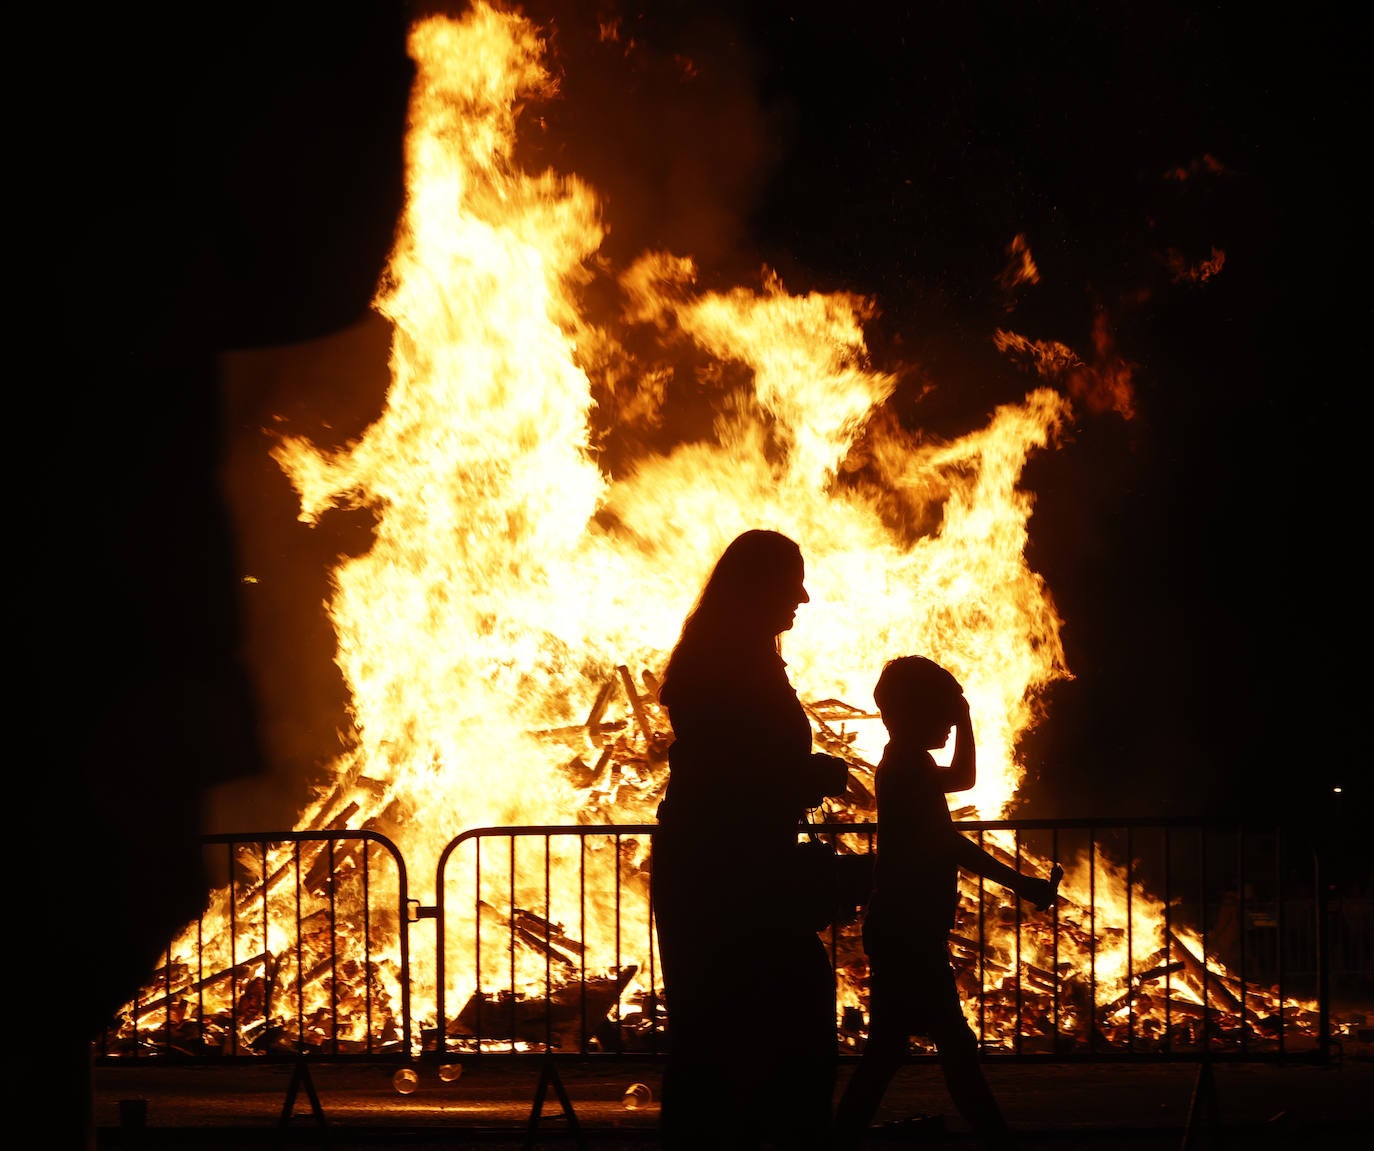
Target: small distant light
point(1337, 789)
point(250, 579)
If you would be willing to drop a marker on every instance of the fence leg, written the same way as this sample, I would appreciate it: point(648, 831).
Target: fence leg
point(548, 1077)
point(300, 1077)
point(1203, 1113)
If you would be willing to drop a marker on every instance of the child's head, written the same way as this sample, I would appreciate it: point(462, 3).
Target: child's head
point(916, 698)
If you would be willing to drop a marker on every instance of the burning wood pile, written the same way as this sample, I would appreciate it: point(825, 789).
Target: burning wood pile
point(305, 955)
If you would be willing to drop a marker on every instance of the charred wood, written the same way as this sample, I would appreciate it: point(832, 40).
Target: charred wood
point(636, 704)
point(1205, 982)
point(243, 969)
point(567, 1017)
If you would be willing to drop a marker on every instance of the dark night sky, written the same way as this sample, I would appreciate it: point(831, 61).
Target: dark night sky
point(1197, 551)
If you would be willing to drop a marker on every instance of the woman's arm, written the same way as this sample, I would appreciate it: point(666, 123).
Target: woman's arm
point(824, 776)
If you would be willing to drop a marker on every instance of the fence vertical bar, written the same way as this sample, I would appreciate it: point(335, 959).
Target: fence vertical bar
point(582, 918)
point(1242, 932)
point(1168, 941)
point(1323, 905)
point(300, 958)
point(367, 946)
point(619, 960)
point(1058, 1022)
point(510, 946)
point(1202, 927)
point(548, 949)
point(1130, 939)
point(1092, 938)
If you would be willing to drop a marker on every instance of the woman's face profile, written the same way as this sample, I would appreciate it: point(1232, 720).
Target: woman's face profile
point(788, 594)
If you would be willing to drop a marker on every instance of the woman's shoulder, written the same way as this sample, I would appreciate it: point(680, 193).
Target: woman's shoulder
point(732, 670)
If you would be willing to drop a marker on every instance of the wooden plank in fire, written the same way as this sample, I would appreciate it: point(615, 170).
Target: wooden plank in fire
point(193, 986)
point(859, 795)
point(599, 705)
point(1204, 983)
point(269, 883)
point(826, 710)
point(636, 703)
point(596, 730)
point(968, 950)
point(1039, 979)
point(536, 932)
point(345, 856)
point(1139, 987)
point(1186, 1007)
point(1154, 966)
point(530, 1019)
point(334, 813)
point(1069, 919)
point(823, 714)
point(582, 776)
point(358, 987)
point(546, 937)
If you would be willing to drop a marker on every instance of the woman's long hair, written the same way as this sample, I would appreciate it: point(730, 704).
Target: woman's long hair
point(736, 595)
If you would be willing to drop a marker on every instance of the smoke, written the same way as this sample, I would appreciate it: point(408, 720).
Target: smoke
point(659, 109)
point(329, 389)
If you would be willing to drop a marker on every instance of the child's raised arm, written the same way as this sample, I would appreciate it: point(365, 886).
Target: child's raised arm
point(962, 772)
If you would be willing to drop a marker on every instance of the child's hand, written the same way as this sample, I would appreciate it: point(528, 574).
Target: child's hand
point(1043, 892)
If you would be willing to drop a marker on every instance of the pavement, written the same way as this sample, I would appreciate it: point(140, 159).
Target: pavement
point(490, 1104)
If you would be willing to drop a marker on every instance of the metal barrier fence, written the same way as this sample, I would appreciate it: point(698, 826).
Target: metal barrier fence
point(306, 948)
point(1171, 940)
point(556, 935)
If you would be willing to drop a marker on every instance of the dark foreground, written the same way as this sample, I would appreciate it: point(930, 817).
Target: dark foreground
point(1088, 1107)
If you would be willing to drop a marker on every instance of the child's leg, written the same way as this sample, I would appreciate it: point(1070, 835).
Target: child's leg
point(883, 1054)
point(968, 1088)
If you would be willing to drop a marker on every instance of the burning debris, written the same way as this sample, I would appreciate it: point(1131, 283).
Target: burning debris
point(558, 1021)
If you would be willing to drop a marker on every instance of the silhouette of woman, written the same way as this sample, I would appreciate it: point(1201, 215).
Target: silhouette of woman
point(749, 988)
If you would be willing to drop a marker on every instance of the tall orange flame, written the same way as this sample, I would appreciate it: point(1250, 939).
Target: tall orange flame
point(511, 576)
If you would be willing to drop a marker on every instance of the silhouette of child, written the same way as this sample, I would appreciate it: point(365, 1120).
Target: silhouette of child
point(912, 989)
